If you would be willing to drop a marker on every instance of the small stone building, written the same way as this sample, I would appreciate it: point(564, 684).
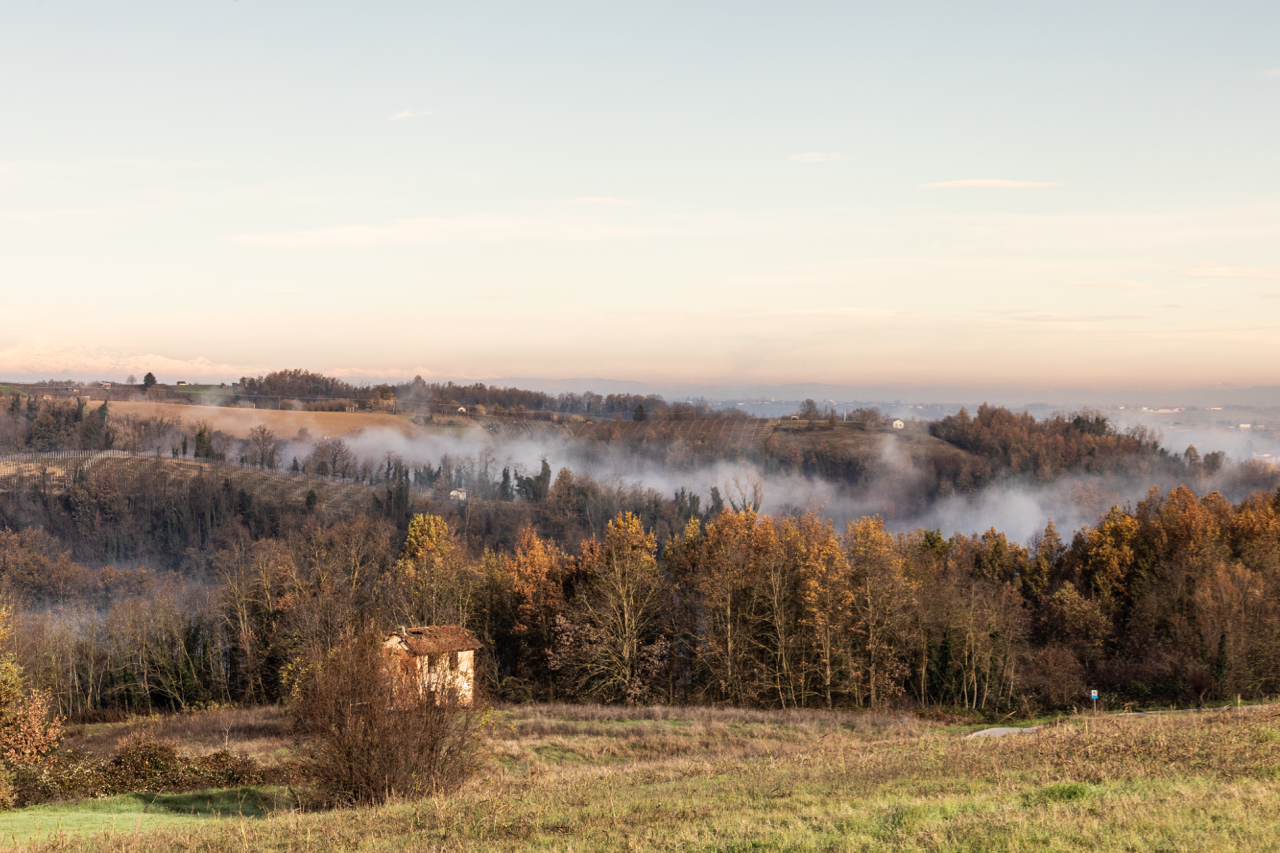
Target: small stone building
point(442, 655)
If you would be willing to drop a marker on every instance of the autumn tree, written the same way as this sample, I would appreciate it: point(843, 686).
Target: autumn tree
point(778, 552)
point(533, 578)
point(881, 596)
point(827, 598)
point(727, 591)
point(29, 731)
point(611, 647)
point(438, 584)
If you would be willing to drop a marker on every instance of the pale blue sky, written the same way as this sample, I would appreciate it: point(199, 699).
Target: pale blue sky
point(728, 192)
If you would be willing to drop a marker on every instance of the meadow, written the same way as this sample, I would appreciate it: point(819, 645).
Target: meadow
point(616, 778)
point(285, 424)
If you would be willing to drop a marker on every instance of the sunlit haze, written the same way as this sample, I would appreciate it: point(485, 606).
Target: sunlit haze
point(902, 195)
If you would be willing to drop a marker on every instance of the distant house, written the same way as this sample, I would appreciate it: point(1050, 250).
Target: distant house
point(440, 657)
point(458, 495)
point(181, 382)
point(899, 425)
point(106, 384)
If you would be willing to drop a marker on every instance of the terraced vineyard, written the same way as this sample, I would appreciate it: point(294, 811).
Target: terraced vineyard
point(733, 436)
point(56, 472)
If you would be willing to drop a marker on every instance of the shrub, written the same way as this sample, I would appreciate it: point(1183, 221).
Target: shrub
point(371, 734)
point(145, 763)
point(142, 763)
point(29, 731)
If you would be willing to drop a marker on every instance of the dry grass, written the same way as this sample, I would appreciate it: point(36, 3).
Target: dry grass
point(262, 733)
point(238, 422)
point(662, 779)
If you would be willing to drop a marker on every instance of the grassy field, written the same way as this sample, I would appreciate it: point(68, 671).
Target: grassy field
point(207, 395)
point(238, 422)
point(590, 778)
point(89, 822)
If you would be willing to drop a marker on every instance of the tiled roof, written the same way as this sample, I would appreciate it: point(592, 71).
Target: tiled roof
point(438, 639)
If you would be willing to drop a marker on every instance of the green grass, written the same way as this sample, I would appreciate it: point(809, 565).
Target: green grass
point(211, 394)
point(134, 813)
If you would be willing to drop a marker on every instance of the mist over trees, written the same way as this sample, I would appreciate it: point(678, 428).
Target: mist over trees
point(1175, 599)
point(156, 582)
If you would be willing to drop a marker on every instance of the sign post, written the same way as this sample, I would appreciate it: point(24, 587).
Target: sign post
point(1095, 700)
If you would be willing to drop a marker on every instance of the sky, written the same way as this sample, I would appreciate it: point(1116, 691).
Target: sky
point(909, 194)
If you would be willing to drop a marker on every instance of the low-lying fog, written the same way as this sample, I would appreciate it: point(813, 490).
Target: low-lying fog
point(1017, 508)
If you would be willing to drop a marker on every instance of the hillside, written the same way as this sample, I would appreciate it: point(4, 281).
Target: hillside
point(238, 422)
point(55, 476)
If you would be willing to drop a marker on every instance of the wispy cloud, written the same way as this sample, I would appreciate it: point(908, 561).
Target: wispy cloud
point(815, 157)
point(471, 229)
point(1213, 271)
point(175, 165)
point(600, 200)
point(988, 184)
point(1124, 284)
point(1035, 315)
point(1270, 74)
point(404, 114)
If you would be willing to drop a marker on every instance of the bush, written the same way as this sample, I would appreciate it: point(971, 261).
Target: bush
point(372, 735)
point(142, 763)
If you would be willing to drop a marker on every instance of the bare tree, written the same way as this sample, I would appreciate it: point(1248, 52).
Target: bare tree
point(333, 458)
point(264, 447)
point(745, 496)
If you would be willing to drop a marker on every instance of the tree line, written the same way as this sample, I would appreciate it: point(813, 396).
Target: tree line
point(1176, 599)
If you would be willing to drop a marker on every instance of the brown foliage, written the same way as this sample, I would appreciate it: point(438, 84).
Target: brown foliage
point(372, 733)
